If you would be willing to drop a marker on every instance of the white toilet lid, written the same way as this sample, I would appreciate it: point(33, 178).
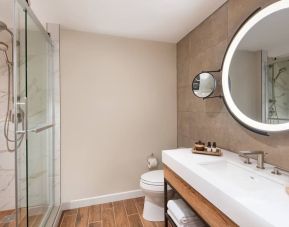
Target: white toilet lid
point(155, 177)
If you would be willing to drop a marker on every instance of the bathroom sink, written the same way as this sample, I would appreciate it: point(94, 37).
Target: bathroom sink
point(248, 195)
point(240, 177)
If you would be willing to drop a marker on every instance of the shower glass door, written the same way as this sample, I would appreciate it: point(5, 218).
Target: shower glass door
point(39, 145)
point(34, 98)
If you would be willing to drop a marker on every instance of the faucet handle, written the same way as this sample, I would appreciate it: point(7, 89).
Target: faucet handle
point(247, 158)
point(276, 171)
point(244, 152)
point(252, 152)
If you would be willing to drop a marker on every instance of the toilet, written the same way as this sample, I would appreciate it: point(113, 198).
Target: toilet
point(152, 185)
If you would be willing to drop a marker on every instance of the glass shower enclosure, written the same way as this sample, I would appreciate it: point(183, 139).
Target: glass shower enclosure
point(37, 193)
point(277, 90)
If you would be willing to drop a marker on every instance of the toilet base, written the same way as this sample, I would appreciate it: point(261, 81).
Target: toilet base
point(153, 210)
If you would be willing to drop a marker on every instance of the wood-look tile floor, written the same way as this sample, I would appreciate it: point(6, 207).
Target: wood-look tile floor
point(126, 213)
point(5, 213)
point(34, 221)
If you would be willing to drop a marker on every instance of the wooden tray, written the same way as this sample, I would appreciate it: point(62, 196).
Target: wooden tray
point(205, 152)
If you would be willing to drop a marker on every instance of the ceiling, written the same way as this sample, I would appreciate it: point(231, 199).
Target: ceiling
point(160, 20)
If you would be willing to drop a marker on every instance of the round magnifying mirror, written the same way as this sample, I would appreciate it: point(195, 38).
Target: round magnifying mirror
point(204, 84)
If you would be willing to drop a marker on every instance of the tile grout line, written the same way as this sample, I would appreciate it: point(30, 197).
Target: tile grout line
point(63, 215)
point(94, 222)
point(87, 221)
point(76, 217)
point(140, 219)
point(138, 212)
point(91, 222)
point(133, 214)
point(88, 218)
point(69, 214)
point(126, 213)
point(101, 216)
point(122, 202)
point(113, 214)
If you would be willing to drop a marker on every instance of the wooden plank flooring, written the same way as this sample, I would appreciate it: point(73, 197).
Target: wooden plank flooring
point(6, 213)
point(126, 213)
point(34, 221)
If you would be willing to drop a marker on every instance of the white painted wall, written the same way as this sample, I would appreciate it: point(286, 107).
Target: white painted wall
point(119, 105)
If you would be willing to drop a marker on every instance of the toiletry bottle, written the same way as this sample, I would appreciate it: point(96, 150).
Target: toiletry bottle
point(209, 147)
point(214, 147)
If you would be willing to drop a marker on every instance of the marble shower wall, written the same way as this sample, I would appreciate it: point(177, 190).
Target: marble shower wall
point(204, 49)
point(281, 91)
point(7, 159)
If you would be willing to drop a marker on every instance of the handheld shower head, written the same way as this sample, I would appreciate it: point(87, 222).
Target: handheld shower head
point(3, 26)
point(3, 47)
point(282, 70)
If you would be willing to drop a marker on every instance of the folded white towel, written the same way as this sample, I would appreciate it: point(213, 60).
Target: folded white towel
point(195, 223)
point(181, 211)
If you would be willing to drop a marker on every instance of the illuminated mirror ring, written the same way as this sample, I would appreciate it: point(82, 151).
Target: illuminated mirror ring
point(258, 126)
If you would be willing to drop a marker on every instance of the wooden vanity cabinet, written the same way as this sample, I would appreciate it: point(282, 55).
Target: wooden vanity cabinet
point(207, 211)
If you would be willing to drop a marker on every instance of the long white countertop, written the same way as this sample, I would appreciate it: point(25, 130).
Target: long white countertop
point(248, 205)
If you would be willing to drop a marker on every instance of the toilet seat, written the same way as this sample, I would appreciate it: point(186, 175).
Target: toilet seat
point(155, 177)
point(153, 181)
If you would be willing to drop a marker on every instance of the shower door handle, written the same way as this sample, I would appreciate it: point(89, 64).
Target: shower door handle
point(19, 104)
point(40, 129)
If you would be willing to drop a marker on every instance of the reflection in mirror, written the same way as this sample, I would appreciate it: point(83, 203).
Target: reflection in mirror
point(203, 85)
point(259, 71)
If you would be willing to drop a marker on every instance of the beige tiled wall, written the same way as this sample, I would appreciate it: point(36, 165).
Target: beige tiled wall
point(203, 49)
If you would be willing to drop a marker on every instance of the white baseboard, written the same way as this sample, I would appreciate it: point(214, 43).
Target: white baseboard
point(102, 199)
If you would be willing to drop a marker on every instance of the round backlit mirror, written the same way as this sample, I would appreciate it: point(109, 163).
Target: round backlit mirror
point(255, 77)
point(204, 84)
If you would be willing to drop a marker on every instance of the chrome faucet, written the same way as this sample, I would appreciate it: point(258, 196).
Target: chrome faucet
point(260, 157)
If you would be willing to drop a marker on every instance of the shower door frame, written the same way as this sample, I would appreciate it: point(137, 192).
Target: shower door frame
point(28, 12)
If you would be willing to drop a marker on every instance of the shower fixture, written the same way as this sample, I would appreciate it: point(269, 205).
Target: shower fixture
point(273, 101)
point(3, 47)
point(282, 70)
point(3, 27)
point(9, 117)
